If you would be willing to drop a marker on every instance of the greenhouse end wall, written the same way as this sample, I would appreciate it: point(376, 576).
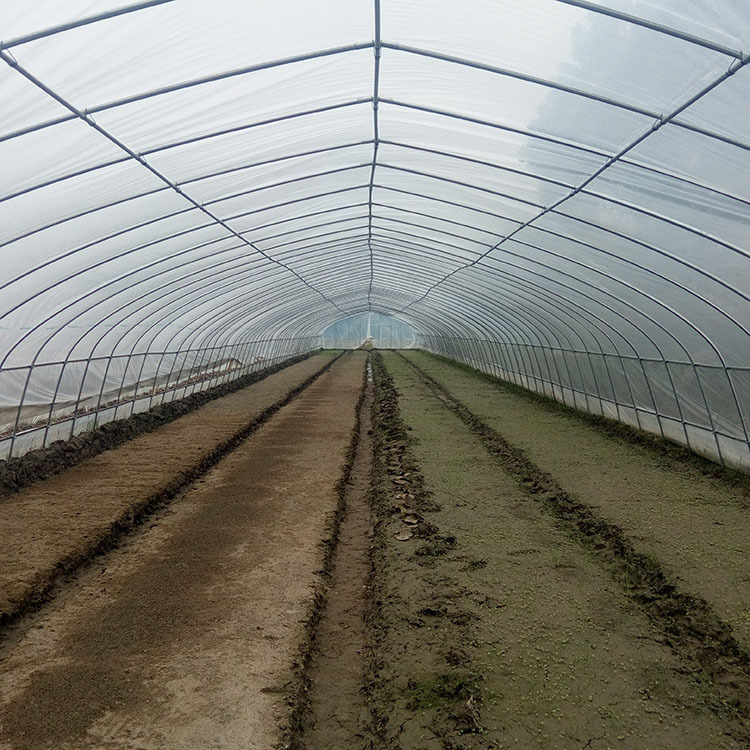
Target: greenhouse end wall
point(705, 408)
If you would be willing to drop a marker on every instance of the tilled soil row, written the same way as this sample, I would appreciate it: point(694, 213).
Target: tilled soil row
point(299, 690)
point(62, 454)
point(419, 682)
point(39, 590)
point(691, 627)
point(655, 444)
point(187, 635)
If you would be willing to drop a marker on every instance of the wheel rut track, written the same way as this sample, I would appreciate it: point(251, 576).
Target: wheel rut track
point(44, 590)
point(299, 700)
point(690, 626)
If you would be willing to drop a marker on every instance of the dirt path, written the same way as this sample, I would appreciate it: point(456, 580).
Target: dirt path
point(337, 716)
point(187, 636)
point(55, 525)
point(499, 629)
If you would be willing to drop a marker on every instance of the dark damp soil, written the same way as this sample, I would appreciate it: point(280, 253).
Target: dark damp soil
point(420, 682)
point(493, 626)
point(62, 454)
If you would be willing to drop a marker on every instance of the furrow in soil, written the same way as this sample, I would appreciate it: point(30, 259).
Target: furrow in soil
point(335, 712)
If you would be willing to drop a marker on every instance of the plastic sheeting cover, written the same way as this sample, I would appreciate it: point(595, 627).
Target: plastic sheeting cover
point(555, 190)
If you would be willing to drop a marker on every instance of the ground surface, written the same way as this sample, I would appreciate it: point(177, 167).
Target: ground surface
point(65, 516)
point(697, 526)
point(461, 568)
point(186, 637)
point(527, 640)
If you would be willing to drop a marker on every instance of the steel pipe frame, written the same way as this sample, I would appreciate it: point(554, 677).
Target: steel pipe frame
point(546, 83)
point(623, 259)
point(377, 45)
point(481, 323)
point(524, 371)
point(186, 142)
point(571, 216)
point(111, 258)
point(189, 302)
point(131, 302)
point(185, 304)
point(592, 193)
point(104, 358)
point(543, 330)
point(575, 147)
point(543, 293)
point(631, 239)
point(589, 311)
point(181, 86)
point(654, 321)
point(460, 251)
point(540, 299)
point(140, 281)
point(665, 330)
point(439, 112)
point(223, 326)
point(154, 94)
point(552, 209)
point(212, 136)
point(582, 4)
point(653, 343)
point(154, 291)
point(81, 22)
point(663, 357)
point(313, 237)
point(236, 263)
point(651, 25)
point(301, 217)
point(212, 381)
point(103, 335)
point(618, 279)
point(658, 415)
point(452, 222)
point(441, 232)
point(119, 144)
point(675, 396)
point(613, 160)
point(155, 191)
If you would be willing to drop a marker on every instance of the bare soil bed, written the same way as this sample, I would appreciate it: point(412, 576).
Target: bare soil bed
point(189, 635)
point(51, 527)
point(494, 626)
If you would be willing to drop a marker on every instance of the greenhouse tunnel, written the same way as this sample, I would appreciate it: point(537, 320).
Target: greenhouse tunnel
point(554, 192)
